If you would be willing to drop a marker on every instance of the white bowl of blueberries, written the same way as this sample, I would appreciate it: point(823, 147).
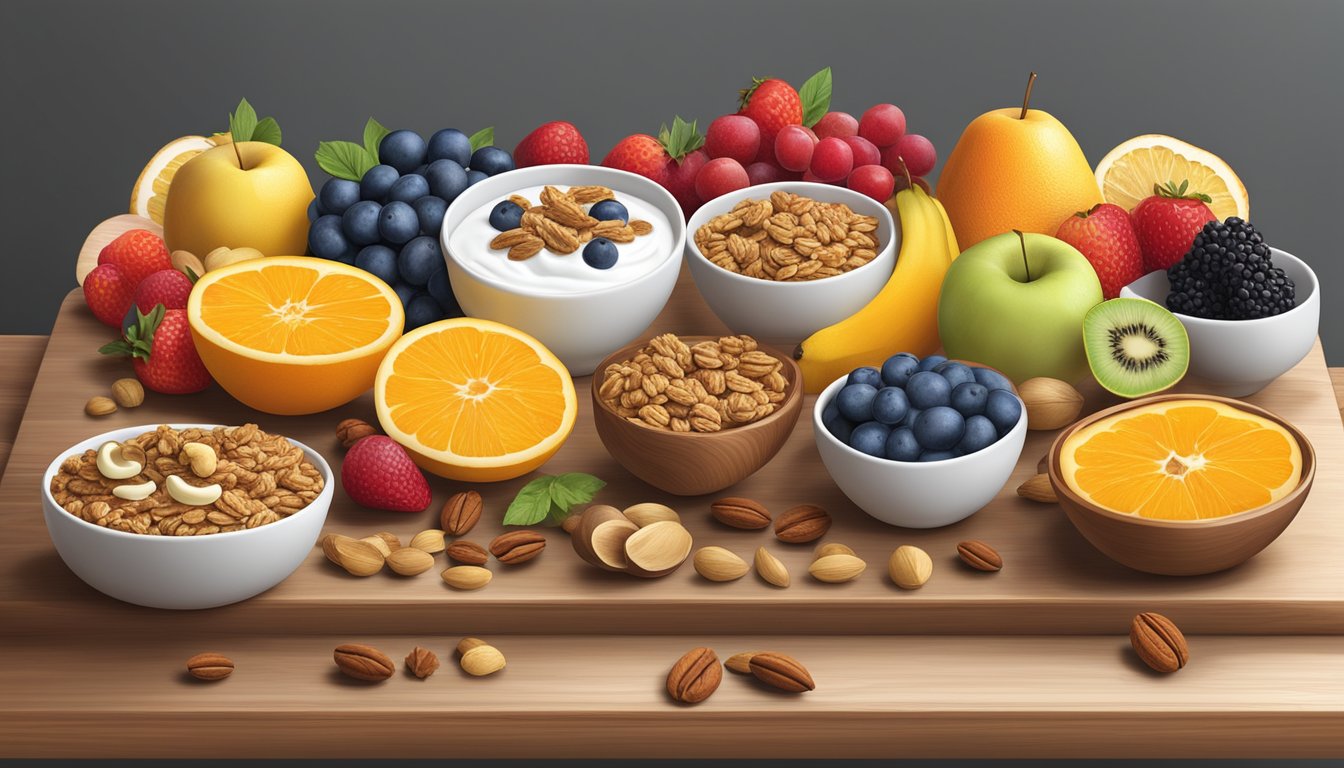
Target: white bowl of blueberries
point(920, 443)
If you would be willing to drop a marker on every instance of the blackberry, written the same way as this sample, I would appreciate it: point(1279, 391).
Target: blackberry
point(1228, 275)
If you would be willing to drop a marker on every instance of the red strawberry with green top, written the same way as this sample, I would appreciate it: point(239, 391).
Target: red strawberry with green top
point(550, 144)
point(167, 287)
point(109, 293)
point(1106, 237)
point(163, 353)
point(1167, 222)
point(653, 158)
point(377, 473)
point(773, 104)
point(138, 253)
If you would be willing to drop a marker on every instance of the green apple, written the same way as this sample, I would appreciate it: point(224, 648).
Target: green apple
point(1016, 302)
point(250, 194)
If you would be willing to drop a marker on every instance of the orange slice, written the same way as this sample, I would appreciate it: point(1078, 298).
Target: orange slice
point(291, 334)
point(475, 400)
point(1127, 174)
point(151, 187)
point(1182, 460)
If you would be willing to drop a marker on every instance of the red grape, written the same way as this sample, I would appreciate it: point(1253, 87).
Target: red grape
point(837, 124)
point(832, 160)
point(763, 173)
point(873, 181)
point(735, 136)
point(917, 151)
point(865, 152)
point(883, 124)
point(793, 148)
point(719, 177)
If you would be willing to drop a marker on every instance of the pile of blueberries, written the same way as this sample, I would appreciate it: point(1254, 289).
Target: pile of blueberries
point(922, 410)
point(388, 222)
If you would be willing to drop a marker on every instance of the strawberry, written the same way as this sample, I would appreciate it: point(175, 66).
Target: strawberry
point(657, 159)
point(109, 293)
point(641, 154)
point(378, 474)
point(551, 143)
point(167, 287)
point(1106, 237)
point(163, 353)
point(773, 104)
point(138, 253)
point(1167, 222)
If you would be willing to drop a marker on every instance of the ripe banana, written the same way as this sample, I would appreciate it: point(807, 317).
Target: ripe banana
point(903, 317)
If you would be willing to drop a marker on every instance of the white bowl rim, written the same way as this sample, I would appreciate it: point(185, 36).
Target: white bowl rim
point(698, 219)
point(1189, 320)
point(55, 466)
point(678, 223)
point(833, 388)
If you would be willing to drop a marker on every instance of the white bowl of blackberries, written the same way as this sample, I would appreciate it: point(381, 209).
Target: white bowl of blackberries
point(1251, 310)
point(920, 443)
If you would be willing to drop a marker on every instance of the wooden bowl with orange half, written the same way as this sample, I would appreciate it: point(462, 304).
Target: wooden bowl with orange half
point(1181, 485)
point(694, 463)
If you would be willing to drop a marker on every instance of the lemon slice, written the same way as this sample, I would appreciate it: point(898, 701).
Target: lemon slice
point(1127, 174)
point(151, 188)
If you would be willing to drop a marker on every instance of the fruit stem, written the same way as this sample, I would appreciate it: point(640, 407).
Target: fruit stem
point(239, 154)
point(1023, 240)
point(1026, 98)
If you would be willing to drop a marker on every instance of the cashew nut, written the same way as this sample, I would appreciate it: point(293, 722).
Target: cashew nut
point(201, 457)
point(113, 465)
point(135, 492)
point(197, 496)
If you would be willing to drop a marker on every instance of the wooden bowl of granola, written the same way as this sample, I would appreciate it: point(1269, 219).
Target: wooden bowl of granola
point(696, 415)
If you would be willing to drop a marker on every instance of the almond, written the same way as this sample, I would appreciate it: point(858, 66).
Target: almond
point(461, 513)
point(649, 513)
point(467, 552)
point(600, 537)
point(1050, 403)
point(782, 672)
point(695, 676)
point(409, 561)
point(128, 393)
point(430, 541)
point(378, 544)
point(363, 662)
point(100, 406)
point(467, 577)
point(480, 658)
point(831, 549)
point(359, 558)
point(910, 567)
point(737, 512)
point(979, 555)
point(210, 666)
point(1158, 642)
point(740, 662)
point(514, 547)
point(657, 549)
point(718, 564)
point(769, 568)
point(835, 569)
point(803, 523)
point(1038, 488)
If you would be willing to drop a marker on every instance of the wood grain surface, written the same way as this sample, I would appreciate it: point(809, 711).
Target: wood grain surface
point(21, 355)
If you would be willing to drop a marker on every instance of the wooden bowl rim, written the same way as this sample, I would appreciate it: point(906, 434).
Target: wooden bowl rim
point(794, 394)
point(1303, 484)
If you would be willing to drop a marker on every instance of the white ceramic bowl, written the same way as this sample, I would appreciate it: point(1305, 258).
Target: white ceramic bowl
point(917, 494)
point(1236, 358)
point(183, 572)
point(787, 313)
point(580, 328)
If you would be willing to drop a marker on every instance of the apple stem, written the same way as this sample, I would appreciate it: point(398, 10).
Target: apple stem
point(239, 154)
point(1026, 98)
point(1021, 238)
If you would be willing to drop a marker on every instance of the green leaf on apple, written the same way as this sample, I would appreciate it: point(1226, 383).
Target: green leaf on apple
point(816, 97)
point(483, 138)
point(267, 131)
point(344, 159)
point(373, 136)
point(243, 122)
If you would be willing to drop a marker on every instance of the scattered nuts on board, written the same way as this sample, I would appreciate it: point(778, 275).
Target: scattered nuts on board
point(1038, 488)
point(461, 513)
point(719, 564)
point(467, 577)
point(831, 548)
point(1158, 642)
point(1050, 403)
point(837, 569)
point(512, 547)
point(100, 406)
point(740, 662)
point(357, 557)
point(422, 662)
point(210, 666)
point(430, 541)
point(379, 544)
point(393, 543)
point(467, 553)
point(769, 568)
point(695, 676)
point(910, 567)
point(657, 549)
point(803, 523)
point(479, 658)
point(648, 513)
point(351, 431)
point(737, 512)
point(409, 561)
point(610, 539)
point(780, 671)
point(600, 537)
point(979, 555)
point(128, 393)
point(363, 662)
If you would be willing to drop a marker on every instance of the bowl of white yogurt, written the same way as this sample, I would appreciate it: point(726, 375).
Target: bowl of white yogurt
point(580, 312)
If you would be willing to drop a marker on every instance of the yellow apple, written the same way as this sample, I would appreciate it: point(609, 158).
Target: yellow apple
point(213, 202)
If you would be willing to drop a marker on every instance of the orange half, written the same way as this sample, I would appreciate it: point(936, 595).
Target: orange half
point(475, 400)
point(1182, 460)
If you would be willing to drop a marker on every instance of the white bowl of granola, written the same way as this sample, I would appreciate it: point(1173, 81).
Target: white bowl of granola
point(546, 287)
point(748, 299)
point(160, 552)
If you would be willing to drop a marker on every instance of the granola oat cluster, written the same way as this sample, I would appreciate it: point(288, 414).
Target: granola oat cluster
point(561, 224)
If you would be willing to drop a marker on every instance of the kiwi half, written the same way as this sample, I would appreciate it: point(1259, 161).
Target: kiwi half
point(1135, 347)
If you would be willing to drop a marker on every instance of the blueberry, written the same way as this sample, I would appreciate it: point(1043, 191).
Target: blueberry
point(969, 398)
point(855, 402)
point(420, 169)
point(325, 238)
point(897, 369)
point(955, 373)
point(474, 176)
point(422, 310)
point(939, 428)
point(870, 438)
point(377, 182)
point(409, 188)
point(429, 210)
point(450, 144)
point(314, 211)
point(937, 455)
point(931, 362)
point(607, 210)
point(337, 195)
point(890, 405)
point(1004, 409)
point(911, 415)
point(398, 223)
point(980, 434)
point(927, 389)
point(506, 215)
point(348, 255)
point(380, 261)
point(403, 150)
point(902, 445)
point(405, 292)
point(992, 379)
point(600, 253)
point(491, 161)
point(839, 427)
point(360, 222)
point(865, 375)
point(442, 291)
point(419, 259)
point(446, 179)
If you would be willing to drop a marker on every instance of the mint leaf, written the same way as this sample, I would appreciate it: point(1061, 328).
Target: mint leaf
point(574, 488)
point(267, 131)
point(344, 159)
point(483, 138)
point(373, 136)
point(243, 122)
point(532, 504)
point(816, 97)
